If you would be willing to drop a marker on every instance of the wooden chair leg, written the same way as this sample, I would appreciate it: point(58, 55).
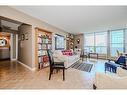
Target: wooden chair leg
point(63, 74)
point(51, 71)
point(50, 75)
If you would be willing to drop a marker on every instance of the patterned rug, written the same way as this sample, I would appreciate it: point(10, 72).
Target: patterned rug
point(82, 66)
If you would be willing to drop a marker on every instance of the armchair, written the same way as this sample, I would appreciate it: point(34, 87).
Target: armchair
point(121, 60)
point(110, 66)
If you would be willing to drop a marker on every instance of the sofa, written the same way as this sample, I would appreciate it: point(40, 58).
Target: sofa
point(68, 59)
point(111, 80)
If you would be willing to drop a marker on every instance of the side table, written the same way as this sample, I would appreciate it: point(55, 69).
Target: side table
point(91, 53)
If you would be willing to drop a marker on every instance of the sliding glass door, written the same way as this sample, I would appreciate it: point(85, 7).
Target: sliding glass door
point(106, 42)
point(89, 42)
point(101, 42)
point(116, 42)
point(96, 42)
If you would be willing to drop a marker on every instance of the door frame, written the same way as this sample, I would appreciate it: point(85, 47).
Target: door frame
point(11, 47)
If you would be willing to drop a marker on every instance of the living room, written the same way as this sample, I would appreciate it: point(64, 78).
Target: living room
point(83, 43)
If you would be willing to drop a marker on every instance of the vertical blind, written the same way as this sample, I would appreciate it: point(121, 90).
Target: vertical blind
point(116, 42)
point(97, 42)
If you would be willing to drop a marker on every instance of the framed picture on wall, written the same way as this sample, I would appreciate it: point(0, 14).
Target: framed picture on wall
point(59, 42)
point(3, 42)
point(22, 37)
point(26, 36)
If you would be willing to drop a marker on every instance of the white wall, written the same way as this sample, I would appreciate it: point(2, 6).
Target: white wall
point(25, 46)
point(11, 13)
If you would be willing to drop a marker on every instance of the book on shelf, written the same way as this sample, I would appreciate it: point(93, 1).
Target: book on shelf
point(45, 40)
point(49, 46)
point(43, 46)
point(40, 59)
point(39, 40)
point(50, 41)
point(39, 46)
point(46, 64)
point(39, 53)
point(42, 52)
point(39, 34)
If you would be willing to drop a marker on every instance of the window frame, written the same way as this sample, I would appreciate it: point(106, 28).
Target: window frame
point(56, 48)
point(95, 46)
point(110, 43)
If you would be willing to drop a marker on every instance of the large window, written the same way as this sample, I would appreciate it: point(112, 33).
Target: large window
point(116, 42)
point(101, 42)
point(89, 42)
point(96, 42)
point(59, 42)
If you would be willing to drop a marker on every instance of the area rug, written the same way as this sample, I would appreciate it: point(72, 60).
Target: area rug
point(82, 66)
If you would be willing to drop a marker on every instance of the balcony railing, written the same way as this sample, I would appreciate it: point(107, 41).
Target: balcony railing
point(96, 49)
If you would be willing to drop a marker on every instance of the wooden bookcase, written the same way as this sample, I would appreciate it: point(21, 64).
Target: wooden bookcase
point(43, 43)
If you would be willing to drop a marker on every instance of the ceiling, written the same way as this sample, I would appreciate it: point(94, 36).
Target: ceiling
point(79, 19)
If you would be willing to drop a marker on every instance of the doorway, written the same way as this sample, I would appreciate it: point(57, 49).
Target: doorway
point(4, 46)
point(20, 41)
point(9, 39)
point(8, 46)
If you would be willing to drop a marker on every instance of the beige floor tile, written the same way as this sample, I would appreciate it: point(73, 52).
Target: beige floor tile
point(15, 76)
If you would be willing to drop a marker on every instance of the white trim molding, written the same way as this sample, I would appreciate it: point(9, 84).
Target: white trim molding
point(13, 59)
point(11, 46)
point(16, 46)
point(32, 69)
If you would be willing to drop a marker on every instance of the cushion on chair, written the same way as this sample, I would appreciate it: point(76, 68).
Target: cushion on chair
point(121, 60)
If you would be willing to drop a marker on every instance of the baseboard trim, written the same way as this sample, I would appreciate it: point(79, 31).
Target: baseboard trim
point(13, 59)
point(32, 69)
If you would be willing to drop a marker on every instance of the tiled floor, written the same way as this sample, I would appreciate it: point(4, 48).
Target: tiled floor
point(14, 76)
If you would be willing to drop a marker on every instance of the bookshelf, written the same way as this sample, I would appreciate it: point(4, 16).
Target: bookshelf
point(43, 43)
point(70, 41)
